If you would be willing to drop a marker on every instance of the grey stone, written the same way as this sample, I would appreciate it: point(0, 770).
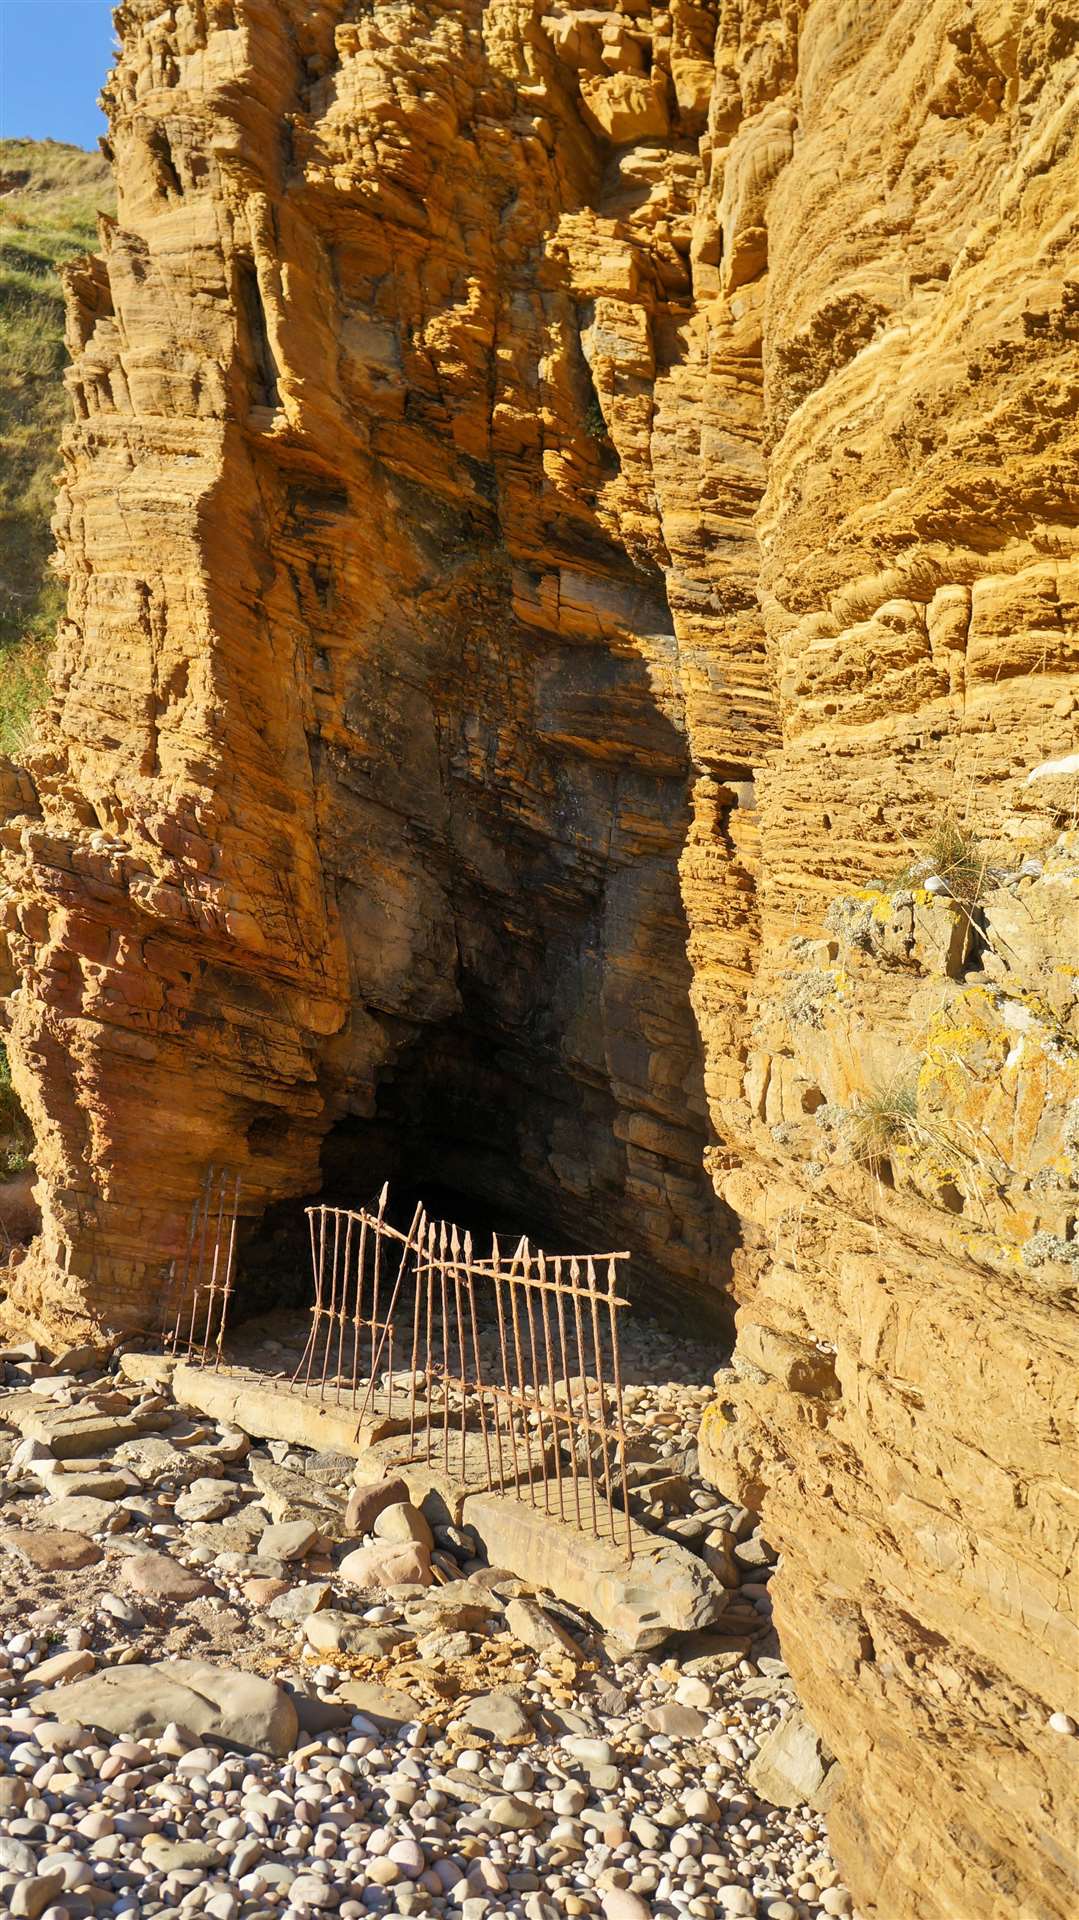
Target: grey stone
point(367, 1500)
point(499, 1714)
point(290, 1540)
point(792, 1765)
point(78, 1513)
point(335, 1632)
point(299, 1602)
point(401, 1523)
point(534, 1628)
point(665, 1589)
point(156, 1576)
point(383, 1706)
point(218, 1704)
point(31, 1897)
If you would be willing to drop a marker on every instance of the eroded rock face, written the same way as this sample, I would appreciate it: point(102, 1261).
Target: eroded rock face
point(562, 506)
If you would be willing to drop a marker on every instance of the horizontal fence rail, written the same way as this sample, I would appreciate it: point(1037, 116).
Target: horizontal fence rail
point(511, 1371)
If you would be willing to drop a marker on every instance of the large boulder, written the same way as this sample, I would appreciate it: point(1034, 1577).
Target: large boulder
point(664, 1589)
point(219, 1704)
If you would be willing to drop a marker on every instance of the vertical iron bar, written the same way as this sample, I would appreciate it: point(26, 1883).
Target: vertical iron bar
point(529, 1292)
point(230, 1258)
point(616, 1363)
point(357, 1306)
point(413, 1389)
point(331, 1311)
point(479, 1371)
point(571, 1412)
point(211, 1291)
point(455, 1250)
point(445, 1344)
point(406, 1244)
point(575, 1281)
point(429, 1267)
point(308, 1349)
point(376, 1278)
point(522, 1243)
point(496, 1266)
point(206, 1204)
point(602, 1385)
point(550, 1385)
point(343, 1314)
point(320, 1280)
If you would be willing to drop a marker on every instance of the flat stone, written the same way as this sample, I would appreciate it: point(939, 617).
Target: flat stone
point(103, 1483)
point(218, 1704)
point(792, 1765)
point(336, 1632)
point(148, 1369)
point(665, 1589)
point(511, 1814)
point(84, 1429)
point(682, 1723)
point(241, 1533)
point(298, 1603)
point(534, 1628)
point(206, 1500)
point(461, 1606)
point(383, 1706)
point(288, 1496)
point(63, 1667)
point(261, 1592)
point(167, 1855)
point(499, 1714)
point(80, 1513)
point(272, 1410)
point(153, 1459)
point(290, 1540)
point(156, 1576)
point(52, 1549)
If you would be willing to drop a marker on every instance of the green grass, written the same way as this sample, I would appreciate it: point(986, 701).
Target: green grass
point(884, 1119)
point(952, 852)
point(16, 1139)
point(49, 200)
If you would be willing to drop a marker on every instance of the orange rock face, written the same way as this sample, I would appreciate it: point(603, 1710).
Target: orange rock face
point(571, 538)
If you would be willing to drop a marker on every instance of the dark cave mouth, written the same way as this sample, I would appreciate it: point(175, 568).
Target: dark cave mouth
point(496, 1132)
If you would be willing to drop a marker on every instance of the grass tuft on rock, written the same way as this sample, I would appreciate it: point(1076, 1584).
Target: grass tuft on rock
point(50, 195)
point(953, 854)
point(884, 1120)
point(16, 1137)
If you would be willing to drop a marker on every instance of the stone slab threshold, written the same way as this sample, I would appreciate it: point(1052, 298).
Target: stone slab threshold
point(262, 1408)
point(664, 1589)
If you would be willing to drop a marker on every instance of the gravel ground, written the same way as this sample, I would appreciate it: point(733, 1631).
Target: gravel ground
point(491, 1775)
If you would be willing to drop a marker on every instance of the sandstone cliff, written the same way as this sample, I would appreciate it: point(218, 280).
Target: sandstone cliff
point(571, 543)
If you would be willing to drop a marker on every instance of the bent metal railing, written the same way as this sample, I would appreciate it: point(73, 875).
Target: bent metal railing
point(513, 1373)
point(199, 1286)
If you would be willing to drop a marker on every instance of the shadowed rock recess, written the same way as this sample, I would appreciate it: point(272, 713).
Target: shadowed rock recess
point(561, 507)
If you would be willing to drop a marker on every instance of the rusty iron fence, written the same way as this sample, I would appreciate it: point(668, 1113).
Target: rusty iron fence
point(199, 1285)
point(505, 1367)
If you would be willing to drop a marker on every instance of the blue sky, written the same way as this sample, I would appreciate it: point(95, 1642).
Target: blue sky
point(54, 55)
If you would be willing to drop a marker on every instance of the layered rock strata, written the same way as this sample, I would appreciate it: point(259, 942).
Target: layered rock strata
point(571, 537)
